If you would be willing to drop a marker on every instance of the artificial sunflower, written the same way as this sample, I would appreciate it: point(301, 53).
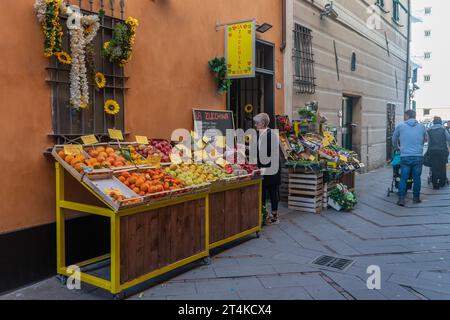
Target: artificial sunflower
point(248, 108)
point(106, 45)
point(112, 107)
point(64, 57)
point(100, 80)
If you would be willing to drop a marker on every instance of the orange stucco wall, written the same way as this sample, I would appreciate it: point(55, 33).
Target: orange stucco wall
point(169, 77)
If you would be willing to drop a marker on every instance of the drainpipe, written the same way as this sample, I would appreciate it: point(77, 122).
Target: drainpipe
point(406, 106)
point(283, 22)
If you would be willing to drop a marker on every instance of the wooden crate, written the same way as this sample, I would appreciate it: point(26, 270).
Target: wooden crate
point(305, 192)
point(327, 187)
point(284, 188)
point(349, 180)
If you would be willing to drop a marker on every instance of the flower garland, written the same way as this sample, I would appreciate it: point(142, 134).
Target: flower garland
point(81, 35)
point(120, 48)
point(47, 12)
point(111, 107)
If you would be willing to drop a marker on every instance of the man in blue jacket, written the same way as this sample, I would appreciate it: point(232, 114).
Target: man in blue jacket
point(410, 137)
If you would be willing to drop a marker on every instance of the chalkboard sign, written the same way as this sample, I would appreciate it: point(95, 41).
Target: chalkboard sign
point(205, 120)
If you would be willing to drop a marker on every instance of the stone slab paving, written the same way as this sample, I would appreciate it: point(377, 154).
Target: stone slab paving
point(411, 246)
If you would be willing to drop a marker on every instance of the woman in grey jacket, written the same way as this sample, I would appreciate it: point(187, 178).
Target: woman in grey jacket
point(438, 152)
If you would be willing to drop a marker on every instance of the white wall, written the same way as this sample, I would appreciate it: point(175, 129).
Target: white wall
point(436, 93)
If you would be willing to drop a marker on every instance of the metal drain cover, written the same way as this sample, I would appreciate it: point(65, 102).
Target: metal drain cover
point(334, 263)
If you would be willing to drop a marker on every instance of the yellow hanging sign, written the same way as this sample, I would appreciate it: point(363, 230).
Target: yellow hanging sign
point(240, 41)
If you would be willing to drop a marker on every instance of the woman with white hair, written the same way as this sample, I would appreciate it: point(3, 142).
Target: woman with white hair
point(271, 183)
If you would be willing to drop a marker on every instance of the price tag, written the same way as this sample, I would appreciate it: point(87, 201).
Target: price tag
point(175, 158)
point(73, 149)
point(89, 140)
point(154, 161)
point(142, 140)
point(221, 162)
point(343, 158)
point(115, 134)
point(362, 165)
point(312, 158)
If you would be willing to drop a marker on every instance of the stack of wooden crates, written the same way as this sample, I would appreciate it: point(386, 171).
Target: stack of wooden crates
point(306, 191)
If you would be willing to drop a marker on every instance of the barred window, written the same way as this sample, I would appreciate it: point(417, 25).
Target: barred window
point(69, 123)
point(303, 56)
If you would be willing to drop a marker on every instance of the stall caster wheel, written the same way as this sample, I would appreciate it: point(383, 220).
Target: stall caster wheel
point(119, 296)
point(62, 279)
point(258, 235)
point(207, 261)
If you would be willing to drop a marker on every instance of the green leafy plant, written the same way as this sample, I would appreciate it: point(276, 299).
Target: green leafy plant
point(346, 199)
point(219, 67)
point(307, 115)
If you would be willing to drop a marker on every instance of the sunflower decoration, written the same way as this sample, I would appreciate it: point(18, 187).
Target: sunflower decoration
point(248, 108)
point(100, 80)
point(112, 107)
point(106, 45)
point(64, 57)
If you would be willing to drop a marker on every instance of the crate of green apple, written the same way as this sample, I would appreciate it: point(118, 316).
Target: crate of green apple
point(157, 147)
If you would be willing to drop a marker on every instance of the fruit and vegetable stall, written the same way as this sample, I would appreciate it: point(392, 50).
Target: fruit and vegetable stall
point(163, 213)
point(316, 164)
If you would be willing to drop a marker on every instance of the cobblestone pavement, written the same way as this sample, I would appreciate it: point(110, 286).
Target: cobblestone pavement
point(411, 245)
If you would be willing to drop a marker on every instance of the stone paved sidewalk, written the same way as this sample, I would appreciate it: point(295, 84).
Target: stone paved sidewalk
point(411, 246)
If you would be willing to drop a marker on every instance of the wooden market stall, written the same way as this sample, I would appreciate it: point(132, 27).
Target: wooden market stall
point(150, 236)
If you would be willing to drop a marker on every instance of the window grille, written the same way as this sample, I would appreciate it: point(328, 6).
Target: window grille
point(304, 79)
point(68, 123)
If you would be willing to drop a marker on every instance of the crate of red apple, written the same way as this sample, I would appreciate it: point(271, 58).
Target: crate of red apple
point(157, 147)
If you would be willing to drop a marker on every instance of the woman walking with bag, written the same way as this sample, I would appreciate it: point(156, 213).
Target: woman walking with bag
point(437, 154)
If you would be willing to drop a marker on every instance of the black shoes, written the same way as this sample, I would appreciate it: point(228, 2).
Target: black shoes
point(417, 201)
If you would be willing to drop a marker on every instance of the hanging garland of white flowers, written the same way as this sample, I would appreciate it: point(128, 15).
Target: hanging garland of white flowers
point(83, 30)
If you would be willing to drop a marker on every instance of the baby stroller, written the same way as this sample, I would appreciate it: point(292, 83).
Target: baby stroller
point(397, 175)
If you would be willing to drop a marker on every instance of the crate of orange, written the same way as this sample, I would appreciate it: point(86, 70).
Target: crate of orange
point(76, 164)
point(114, 157)
point(152, 184)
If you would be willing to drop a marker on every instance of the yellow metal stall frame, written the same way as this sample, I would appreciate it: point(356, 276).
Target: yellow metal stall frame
point(114, 285)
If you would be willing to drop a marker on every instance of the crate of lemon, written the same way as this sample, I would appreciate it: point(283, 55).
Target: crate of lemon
point(198, 174)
